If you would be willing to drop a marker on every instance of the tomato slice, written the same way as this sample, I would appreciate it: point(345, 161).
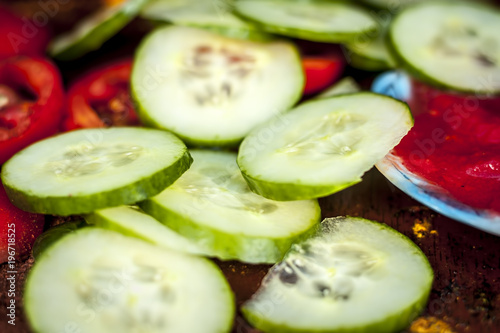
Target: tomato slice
point(31, 103)
point(321, 71)
point(101, 98)
point(18, 230)
point(20, 36)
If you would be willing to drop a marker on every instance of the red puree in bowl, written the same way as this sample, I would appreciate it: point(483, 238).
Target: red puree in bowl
point(455, 144)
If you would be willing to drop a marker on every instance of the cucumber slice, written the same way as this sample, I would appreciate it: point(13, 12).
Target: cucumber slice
point(345, 86)
point(212, 205)
point(214, 15)
point(81, 171)
point(94, 30)
point(99, 281)
point(131, 221)
point(321, 21)
point(354, 275)
point(51, 236)
point(322, 146)
point(371, 54)
point(213, 85)
point(457, 48)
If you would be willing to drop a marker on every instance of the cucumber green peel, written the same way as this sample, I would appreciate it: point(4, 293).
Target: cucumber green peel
point(133, 222)
point(54, 234)
point(391, 5)
point(352, 275)
point(94, 30)
point(213, 15)
point(85, 170)
point(322, 21)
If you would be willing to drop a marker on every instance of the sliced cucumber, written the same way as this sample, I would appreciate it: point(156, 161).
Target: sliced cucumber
point(323, 21)
point(212, 205)
point(215, 15)
point(94, 30)
point(371, 54)
point(209, 89)
point(457, 48)
point(322, 146)
point(355, 275)
point(54, 234)
point(81, 171)
point(131, 221)
point(345, 86)
point(99, 281)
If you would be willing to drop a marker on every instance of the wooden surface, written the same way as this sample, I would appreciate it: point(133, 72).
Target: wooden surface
point(466, 261)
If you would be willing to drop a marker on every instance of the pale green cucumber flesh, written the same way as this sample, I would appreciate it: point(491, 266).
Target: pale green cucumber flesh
point(454, 50)
point(212, 205)
point(352, 275)
point(131, 221)
point(320, 21)
point(95, 280)
point(213, 15)
point(345, 86)
point(93, 31)
point(214, 84)
point(81, 171)
point(255, 35)
point(322, 146)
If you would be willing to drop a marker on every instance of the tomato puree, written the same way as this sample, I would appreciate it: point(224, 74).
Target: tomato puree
point(455, 144)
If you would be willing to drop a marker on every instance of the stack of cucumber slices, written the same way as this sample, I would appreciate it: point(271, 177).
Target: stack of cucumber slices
point(141, 268)
point(231, 167)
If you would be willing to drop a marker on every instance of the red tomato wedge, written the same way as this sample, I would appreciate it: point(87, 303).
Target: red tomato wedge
point(101, 98)
point(31, 103)
point(321, 72)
